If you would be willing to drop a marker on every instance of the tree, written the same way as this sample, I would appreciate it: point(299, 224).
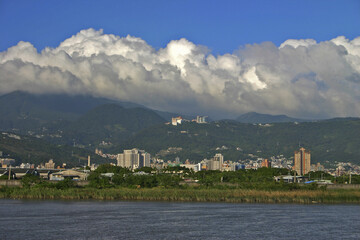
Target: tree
point(65, 184)
point(30, 180)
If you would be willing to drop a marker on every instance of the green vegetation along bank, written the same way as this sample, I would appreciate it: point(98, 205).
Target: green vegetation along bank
point(181, 184)
point(189, 194)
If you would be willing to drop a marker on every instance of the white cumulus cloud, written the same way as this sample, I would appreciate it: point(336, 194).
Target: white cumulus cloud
point(301, 78)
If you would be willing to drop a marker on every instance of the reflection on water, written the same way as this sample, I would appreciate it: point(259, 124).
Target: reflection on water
point(164, 220)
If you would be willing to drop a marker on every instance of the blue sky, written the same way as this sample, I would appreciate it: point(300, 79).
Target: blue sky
point(222, 26)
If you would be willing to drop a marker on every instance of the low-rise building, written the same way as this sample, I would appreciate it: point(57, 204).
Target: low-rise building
point(70, 173)
point(50, 164)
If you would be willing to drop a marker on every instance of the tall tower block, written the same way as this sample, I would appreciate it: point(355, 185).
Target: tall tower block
point(302, 161)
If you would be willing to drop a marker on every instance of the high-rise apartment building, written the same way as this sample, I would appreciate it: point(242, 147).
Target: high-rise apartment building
point(302, 161)
point(133, 159)
point(215, 163)
point(219, 157)
point(266, 163)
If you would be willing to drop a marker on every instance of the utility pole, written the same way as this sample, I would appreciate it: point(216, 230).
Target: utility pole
point(9, 172)
point(350, 179)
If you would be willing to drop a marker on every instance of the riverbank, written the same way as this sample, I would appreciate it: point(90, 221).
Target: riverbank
point(189, 195)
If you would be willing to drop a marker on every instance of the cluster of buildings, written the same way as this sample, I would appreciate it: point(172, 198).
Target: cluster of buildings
point(301, 163)
point(179, 120)
point(215, 163)
point(7, 162)
point(274, 162)
point(136, 158)
point(346, 168)
point(49, 165)
point(105, 155)
point(46, 171)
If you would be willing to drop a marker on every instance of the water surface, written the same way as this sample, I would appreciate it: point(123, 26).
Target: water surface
point(163, 220)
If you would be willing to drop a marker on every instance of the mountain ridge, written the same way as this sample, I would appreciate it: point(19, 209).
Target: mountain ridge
point(30, 112)
point(333, 139)
point(254, 117)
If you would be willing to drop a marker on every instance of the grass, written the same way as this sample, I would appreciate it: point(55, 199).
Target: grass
point(189, 195)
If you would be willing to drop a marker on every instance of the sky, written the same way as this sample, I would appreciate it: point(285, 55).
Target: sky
point(216, 58)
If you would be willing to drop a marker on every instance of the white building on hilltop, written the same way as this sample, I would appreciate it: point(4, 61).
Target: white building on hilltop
point(176, 120)
point(201, 119)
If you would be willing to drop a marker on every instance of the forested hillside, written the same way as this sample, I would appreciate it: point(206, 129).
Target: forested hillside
point(331, 140)
point(32, 150)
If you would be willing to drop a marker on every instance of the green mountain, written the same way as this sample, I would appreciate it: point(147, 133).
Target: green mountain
point(83, 120)
point(328, 141)
point(109, 123)
point(47, 113)
point(95, 122)
point(24, 112)
point(32, 150)
point(253, 117)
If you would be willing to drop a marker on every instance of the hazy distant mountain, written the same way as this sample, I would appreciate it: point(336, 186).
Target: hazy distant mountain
point(25, 111)
point(110, 123)
point(253, 117)
point(62, 118)
point(76, 104)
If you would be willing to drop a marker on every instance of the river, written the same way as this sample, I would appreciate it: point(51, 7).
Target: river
point(20, 219)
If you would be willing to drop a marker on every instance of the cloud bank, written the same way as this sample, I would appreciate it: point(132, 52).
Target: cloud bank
point(301, 78)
